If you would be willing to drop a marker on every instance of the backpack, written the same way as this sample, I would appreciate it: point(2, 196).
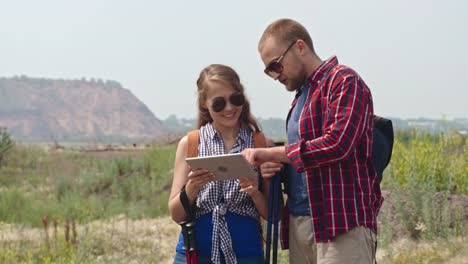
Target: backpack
point(383, 144)
point(383, 140)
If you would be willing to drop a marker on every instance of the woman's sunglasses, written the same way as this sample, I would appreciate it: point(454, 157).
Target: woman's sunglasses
point(219, 103)
point(275, 68)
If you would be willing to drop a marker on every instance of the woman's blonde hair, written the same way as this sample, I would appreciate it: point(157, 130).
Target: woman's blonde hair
point(225, 74)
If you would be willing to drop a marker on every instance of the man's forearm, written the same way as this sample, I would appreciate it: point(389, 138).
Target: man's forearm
point(278, 154)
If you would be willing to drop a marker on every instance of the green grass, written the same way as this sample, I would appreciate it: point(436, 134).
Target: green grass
point(424, 174)
point(437, 160)
point(84, 187)
point(78, 186)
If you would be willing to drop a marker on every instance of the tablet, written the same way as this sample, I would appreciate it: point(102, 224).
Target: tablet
point(224, 167)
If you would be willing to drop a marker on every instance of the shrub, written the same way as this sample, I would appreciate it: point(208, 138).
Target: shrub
point(6, 143)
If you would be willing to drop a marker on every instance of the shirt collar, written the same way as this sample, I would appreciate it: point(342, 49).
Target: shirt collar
point(210, 131)
point(318, 74)
point(322, 70)
point(213, 134)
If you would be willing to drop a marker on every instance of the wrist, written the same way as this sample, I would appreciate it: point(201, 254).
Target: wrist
point(279, 154)
point(255, 194)
point(190, 191)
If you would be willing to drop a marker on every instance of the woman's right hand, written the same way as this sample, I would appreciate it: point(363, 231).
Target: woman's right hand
point(197, 178)
point(269, 169)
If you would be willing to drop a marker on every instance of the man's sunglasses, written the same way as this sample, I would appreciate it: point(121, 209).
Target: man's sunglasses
point(275, 68)
point(219, 103)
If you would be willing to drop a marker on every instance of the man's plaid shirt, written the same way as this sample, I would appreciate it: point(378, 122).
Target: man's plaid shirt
point(335, 149)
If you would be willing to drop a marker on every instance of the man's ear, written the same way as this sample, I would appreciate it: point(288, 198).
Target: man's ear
point(301, 46)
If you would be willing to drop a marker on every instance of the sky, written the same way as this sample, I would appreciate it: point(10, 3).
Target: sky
point(412, 54)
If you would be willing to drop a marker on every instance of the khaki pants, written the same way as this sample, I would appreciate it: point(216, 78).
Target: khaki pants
point(354, 246)
point(302, 248)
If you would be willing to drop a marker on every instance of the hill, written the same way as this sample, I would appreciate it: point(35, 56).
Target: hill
point(38, 109)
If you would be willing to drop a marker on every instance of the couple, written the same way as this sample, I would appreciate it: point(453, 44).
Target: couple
point(333, 193)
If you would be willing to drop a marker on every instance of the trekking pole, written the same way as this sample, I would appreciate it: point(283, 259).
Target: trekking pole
point(273, 215)
point(186, 246)
point(188, 230)
point(273, 218)
point(269, 223)
point(192, 243)
point(277, 190)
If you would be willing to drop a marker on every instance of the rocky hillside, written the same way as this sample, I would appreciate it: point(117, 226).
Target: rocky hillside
point(37, 109)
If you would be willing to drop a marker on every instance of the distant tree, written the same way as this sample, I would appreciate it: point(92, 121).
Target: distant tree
point(6, 144)
point(112, 83)
point(172, 123)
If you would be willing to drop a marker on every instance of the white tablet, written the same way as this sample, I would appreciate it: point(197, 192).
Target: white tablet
point(224, 167)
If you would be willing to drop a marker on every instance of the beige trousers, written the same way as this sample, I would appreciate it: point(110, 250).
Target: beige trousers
point(302, 248)
point(354, 246)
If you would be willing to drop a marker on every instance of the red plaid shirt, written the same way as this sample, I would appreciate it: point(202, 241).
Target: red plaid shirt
point(334, 151)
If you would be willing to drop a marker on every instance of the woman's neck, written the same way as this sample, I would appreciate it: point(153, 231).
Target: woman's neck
point(227, 133)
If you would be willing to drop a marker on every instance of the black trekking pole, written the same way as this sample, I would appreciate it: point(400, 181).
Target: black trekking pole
point(186, 246)
point(273, 215)
point(273, 218)
point(188, 230)
point(192, 242)
point(269, 223)
point(277, 190)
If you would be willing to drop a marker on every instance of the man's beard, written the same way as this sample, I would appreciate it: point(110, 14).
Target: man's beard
point(295, 84)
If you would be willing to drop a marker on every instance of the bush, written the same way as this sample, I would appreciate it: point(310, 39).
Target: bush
point(439, 160)
point(6, 144)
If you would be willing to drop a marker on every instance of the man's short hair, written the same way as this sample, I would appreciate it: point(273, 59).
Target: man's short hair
point(286, 31)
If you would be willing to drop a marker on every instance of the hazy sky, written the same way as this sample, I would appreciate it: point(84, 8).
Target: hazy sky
point(412, 54)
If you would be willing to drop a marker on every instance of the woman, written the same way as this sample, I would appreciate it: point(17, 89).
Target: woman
point(227, 224)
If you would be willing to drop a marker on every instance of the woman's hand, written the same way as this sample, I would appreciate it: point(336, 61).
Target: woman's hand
point(249, 186)
point(269, 169)
point(196, 180)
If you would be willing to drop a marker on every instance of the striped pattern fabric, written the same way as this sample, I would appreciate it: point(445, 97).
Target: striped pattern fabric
point(219, 197)
point(334, 150)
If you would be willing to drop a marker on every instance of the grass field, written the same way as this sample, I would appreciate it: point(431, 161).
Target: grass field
point(69, 206)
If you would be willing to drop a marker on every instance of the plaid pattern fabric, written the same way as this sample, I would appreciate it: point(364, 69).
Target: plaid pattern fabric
point(334, 150)
point(219, 197)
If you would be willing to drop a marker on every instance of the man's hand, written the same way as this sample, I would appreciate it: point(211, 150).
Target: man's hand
point(258, 156)
point(269, 169)
point(255, 156)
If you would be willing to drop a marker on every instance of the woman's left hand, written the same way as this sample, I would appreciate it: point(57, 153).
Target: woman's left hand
point(249, 186)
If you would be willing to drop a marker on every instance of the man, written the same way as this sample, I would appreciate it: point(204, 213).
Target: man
point(334, 194)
